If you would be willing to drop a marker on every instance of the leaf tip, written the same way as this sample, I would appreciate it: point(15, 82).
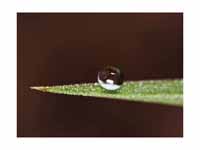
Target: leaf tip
point(39, 88)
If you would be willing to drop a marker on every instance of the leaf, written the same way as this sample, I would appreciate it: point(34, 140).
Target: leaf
point(168, 92)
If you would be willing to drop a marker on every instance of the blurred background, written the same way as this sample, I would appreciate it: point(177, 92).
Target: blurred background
point(56, 49)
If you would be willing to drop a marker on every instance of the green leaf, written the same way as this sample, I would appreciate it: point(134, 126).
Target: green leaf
point(168, 92)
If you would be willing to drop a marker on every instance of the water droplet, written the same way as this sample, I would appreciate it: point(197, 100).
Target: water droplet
point(110, 78)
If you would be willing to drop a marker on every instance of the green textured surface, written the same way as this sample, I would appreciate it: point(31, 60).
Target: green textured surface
point(168, 92)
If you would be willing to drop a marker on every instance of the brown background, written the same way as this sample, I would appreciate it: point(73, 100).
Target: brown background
point(71, 48)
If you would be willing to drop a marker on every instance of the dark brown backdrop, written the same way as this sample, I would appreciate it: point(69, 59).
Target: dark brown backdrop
point(71, 48)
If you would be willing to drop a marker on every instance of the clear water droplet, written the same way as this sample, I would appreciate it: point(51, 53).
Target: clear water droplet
point(110, 78)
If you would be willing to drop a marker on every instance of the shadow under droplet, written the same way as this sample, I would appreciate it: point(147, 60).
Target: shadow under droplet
point(111, 92)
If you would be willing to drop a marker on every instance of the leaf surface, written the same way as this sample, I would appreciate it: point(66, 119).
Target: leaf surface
point(167, 92)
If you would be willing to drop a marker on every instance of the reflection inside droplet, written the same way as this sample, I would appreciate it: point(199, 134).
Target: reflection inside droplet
point(110, 78)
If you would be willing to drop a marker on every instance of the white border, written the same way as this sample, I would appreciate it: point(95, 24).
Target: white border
point(8, 74)
point(99, 6)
